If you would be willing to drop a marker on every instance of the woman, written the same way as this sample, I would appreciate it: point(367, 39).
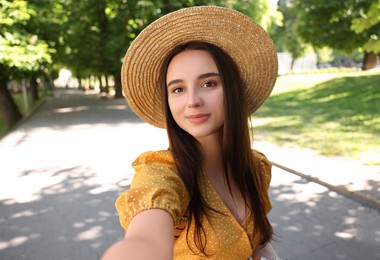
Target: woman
point(198, 72)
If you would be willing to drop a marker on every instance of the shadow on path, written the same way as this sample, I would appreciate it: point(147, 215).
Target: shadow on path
point(71, 219)
point(313, 222)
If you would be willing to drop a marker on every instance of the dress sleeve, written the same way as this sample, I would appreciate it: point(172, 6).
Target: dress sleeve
point(155, 185)
point(265, 177)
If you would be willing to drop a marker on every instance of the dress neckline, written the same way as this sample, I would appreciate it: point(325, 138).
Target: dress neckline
point(224, 207)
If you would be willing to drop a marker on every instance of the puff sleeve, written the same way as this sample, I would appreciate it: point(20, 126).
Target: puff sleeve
point(155, 185)
point(265, 177)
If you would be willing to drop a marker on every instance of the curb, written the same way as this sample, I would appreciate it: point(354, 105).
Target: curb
point(356, 195)
point(26, 117)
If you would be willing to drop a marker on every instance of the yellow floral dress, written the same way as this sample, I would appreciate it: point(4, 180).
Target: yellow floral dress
point(156, 184)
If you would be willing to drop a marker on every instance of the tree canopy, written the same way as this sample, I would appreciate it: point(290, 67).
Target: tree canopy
point(342, 25)
point(20, 50)
point(90, 37)
point(369, 22)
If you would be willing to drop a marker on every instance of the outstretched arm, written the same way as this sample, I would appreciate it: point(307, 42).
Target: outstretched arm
point(150, 235)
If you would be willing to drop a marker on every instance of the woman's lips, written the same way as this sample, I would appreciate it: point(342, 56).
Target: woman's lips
point(197, 119)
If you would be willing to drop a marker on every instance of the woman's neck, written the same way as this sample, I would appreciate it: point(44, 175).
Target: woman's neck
point(212, 151)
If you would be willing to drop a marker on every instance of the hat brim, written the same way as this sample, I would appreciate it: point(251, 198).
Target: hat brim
point(237, 34)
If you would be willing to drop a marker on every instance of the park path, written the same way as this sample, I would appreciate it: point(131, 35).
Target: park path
point(62, 169)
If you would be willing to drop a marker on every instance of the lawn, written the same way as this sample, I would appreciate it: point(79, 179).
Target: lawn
point(337, 114)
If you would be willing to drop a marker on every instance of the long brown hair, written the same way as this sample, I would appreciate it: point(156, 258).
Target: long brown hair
point(237, 152)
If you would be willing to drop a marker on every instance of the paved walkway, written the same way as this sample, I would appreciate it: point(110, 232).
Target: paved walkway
point(352, 178)
point(61, 170)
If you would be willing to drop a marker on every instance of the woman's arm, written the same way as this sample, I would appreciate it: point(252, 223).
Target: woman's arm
point(267, 252)
point(150, 235)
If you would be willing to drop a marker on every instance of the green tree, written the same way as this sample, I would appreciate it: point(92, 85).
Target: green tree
point(83, 47)
point(328, 23)
point(285, 34)
point(47, 24)
point(21, 52)
point(369, 22)
point(98, 32)
point(257, 10)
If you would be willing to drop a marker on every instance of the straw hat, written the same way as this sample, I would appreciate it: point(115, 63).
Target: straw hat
point(237, 34)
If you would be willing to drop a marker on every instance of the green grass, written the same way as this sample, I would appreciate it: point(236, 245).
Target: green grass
point(337, 114)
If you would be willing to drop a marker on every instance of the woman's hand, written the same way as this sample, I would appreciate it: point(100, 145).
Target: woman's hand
point(150, 235)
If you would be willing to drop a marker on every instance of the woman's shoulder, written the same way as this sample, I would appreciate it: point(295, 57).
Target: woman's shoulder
point(154, 157)
point(265, 166)
point(154, 166)
point(260, 157)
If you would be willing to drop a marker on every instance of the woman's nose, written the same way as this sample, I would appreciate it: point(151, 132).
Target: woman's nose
point(194, 98)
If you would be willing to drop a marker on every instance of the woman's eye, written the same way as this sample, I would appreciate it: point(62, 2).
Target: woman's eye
point(177, 90)
point(209, 84)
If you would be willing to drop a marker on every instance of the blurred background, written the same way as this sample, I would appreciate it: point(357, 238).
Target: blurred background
point(328, 50)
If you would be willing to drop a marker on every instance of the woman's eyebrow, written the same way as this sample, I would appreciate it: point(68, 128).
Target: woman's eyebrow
point(174, 82)
point(210, 74)
point(202, 76)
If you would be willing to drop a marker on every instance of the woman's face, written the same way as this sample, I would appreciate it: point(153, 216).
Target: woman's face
point(195, 93)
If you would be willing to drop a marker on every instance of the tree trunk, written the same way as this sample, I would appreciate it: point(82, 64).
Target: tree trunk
point(34, 88)
point(80, 83)
point(118, 90)
point(369, 60)
point(8, 107)
point(100, 84)
point(107, 90)
point(292, 63)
